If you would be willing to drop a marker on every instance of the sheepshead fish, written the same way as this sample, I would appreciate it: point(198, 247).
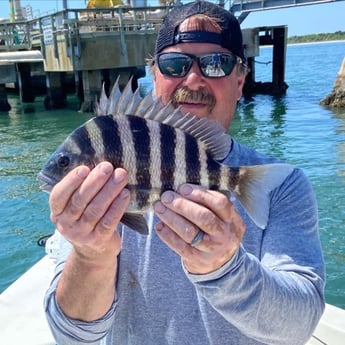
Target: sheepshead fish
point(161, 148)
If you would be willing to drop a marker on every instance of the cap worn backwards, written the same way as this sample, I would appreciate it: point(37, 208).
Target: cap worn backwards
point(230, 37)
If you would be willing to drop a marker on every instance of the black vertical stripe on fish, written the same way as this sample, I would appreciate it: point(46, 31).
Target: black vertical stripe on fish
point(214, 170)
point(82, 140)
point(168, 163)
point(234, 177)
point(142, 148)
point(109, 130)
point(193, 163)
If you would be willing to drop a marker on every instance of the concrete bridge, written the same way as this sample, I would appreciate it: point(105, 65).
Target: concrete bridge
point(92, 46)
point(242, 8)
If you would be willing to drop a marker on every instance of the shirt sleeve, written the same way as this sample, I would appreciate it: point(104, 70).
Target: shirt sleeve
point(74, 332)
point(278, 297)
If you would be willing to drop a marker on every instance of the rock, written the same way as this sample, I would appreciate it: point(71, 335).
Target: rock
point(336, 99)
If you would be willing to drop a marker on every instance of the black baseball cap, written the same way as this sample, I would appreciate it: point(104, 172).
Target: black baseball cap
point(230, 37)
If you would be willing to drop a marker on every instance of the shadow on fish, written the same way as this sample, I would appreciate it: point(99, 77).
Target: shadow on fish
point(161, 148)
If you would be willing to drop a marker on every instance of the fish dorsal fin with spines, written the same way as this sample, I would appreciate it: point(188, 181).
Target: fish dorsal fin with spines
point(102, 106)
point(114, 96)
point(209, 132)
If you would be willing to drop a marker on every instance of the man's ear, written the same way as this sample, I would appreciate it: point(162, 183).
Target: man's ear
point(240, 84)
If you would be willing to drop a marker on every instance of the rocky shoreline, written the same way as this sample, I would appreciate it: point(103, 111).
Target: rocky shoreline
point(336, 99)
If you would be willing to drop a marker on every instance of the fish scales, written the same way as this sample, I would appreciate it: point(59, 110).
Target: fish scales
point(233, 179)
point(97, 138)
point(105, 138)
point(161, 148)
point(204, 172)
point(218, 179)
point(197, 167)
point(155, 166)
point(142, 149)
point(168, 154)
point(181, 164)
point(109, 138)
point(193, 161)
point(128, 154)
point(83, 142)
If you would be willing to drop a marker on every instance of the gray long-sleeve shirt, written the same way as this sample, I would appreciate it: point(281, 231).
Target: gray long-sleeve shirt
point(271, 292)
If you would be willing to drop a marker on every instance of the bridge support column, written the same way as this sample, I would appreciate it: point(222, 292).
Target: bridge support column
point(279, 56)
point(25, 83)
point(56, 95)
point(4, 105)
point(79, 90)
point(92, 81)
point(250, 83)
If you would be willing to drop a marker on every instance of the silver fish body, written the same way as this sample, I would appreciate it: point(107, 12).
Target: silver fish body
point(161, 148)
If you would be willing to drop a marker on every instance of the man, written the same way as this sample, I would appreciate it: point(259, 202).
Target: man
point(205, 274)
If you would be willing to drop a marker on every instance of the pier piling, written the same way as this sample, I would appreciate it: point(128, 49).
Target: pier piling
point(91, 87)
point(4, 105)
point(26, 91)
point(55, 95)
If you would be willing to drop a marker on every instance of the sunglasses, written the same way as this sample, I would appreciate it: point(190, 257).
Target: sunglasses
point(212, 65)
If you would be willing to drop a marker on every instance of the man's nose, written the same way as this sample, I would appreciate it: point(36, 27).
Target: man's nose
point(194, 78)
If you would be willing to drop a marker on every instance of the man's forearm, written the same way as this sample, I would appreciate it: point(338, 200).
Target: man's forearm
point(273, 307)
point(86, 289)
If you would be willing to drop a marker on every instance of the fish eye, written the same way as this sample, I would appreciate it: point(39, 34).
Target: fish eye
point(63, 161)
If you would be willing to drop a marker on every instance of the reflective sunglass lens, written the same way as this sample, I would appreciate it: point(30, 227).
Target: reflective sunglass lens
point(174, 65)
point(214, 65)
point(217, 65)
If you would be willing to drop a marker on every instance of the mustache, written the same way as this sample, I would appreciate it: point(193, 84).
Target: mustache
point(185, 95)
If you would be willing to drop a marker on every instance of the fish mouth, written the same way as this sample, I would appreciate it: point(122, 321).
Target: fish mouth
point(48, 182)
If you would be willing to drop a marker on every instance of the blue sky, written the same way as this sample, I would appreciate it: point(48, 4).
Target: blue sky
point(329, 17)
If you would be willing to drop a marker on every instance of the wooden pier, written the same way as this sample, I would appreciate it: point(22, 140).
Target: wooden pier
point(94, 46)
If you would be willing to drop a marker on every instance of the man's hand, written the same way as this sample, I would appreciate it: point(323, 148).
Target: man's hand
point(192, 209)
point(86, 207)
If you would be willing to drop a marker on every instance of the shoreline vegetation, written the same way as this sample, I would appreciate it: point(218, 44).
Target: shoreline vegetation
point(322, 37)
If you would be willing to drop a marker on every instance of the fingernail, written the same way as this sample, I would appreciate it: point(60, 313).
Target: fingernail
point(82, 172)
point(159, 207)
point(124, 194)
point(106, 168)
point(186, 189)
point(119, 176)
point(167, 197)
point(159, 226)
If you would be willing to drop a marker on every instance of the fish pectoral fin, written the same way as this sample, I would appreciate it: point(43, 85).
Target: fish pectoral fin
point(136, 222)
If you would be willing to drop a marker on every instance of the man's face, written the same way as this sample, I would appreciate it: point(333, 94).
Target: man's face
point(221, 94)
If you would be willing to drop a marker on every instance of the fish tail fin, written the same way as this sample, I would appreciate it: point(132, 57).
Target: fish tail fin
point(255, 185)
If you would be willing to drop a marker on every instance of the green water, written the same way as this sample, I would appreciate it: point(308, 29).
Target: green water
point(28, 135)
point(293, 127)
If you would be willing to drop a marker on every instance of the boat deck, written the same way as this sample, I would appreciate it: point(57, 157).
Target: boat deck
point(22, 303)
